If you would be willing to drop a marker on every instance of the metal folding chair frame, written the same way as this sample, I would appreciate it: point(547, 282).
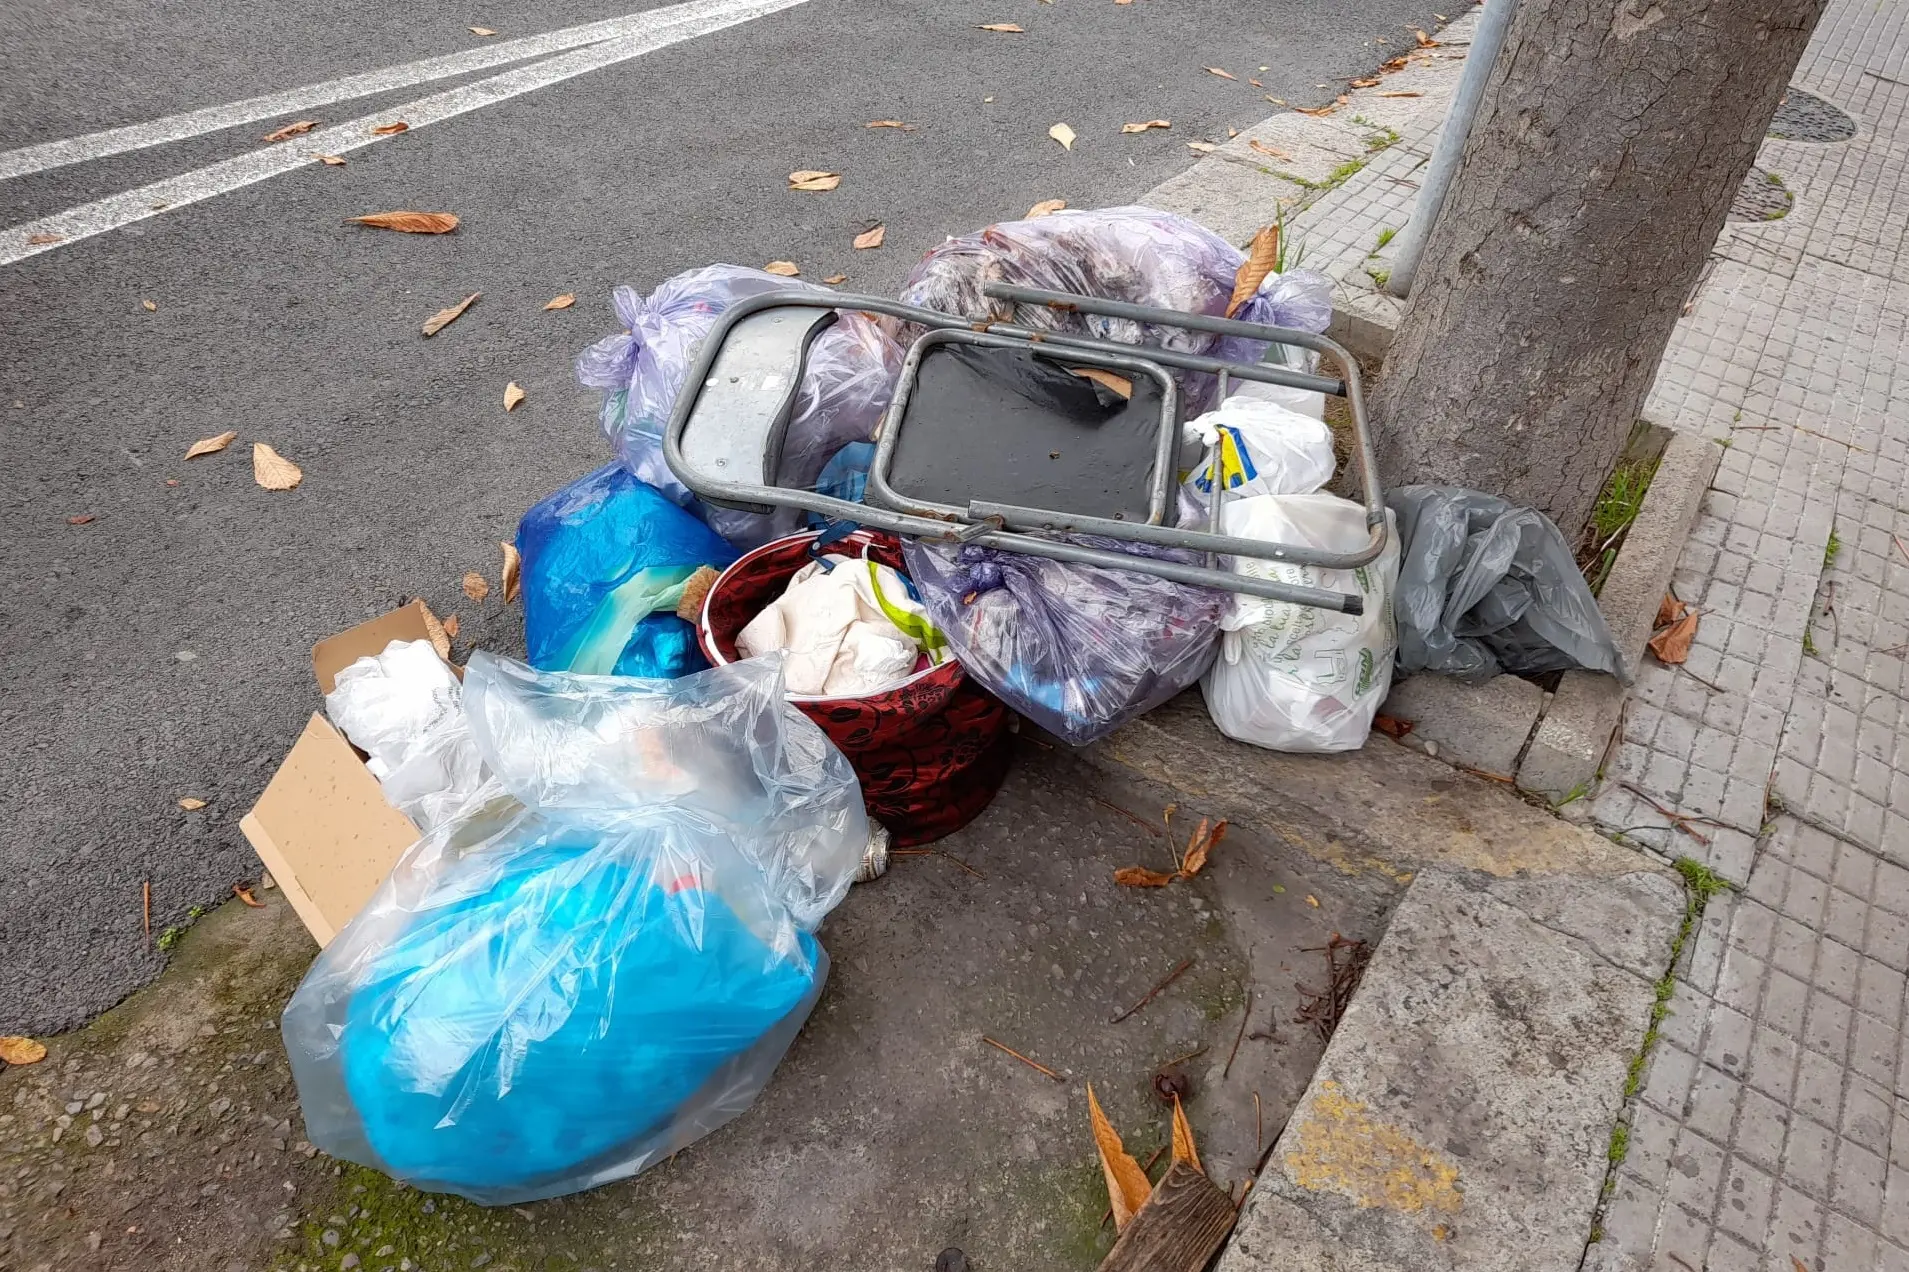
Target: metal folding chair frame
point(730, 381)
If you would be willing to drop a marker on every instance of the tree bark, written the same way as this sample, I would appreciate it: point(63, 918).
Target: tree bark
point(1610, 139)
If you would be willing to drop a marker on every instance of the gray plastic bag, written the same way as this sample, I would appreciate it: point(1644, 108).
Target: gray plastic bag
point(1488, 587)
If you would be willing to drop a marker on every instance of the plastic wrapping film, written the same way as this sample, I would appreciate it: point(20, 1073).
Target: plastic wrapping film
point(847, 381)
point(1078, 649)
point(603, 956)
point(403, 708)
point(1488, 587)
point(1132, 254)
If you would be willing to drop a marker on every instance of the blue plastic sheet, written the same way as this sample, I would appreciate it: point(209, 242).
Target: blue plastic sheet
point(604, 563)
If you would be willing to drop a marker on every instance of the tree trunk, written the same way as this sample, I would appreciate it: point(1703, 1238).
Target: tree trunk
point(1607, 147)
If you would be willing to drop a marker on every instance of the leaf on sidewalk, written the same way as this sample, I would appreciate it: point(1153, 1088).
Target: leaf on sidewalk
point(1201, 147)
point(1046, 207)
point(290, 130)
point(1363, 83)
point(41, 240)
point(1199, 847)
point(16, 1050)
point(1315, 111)
point(560, 302)
point(1143, 127)
point(814, 179)
point(1063, 134)
point(1401, 94)
point(272, 470)
point(391, 129)
point(211, 445)
point(1214, 70)
point(191, 803)
point(1008, 28)
point(512, 572)
point(1393, 727)
point(786, 269)
point(410, 222)
point(244, 894)
point(1255, 143)
point(1127, 1185)
point(476, 586)
point(1262, 256)
point(1183, 1149)
point(1424, 41)
point(330, 161)
point(1141, 877)
point(872, 239)
point(445, 317)
point(513, 396)
point(1669, 610)
point(1671, 644)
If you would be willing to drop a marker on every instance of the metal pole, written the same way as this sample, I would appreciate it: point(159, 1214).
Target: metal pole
point(1487, 40)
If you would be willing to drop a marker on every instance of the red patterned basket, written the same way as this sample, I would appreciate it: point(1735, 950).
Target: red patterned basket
point(930, 752)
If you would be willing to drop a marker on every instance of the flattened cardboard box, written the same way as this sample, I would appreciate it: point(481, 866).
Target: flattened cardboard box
point(322, 826)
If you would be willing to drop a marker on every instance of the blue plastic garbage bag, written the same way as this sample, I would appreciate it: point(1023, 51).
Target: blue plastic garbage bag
point(604, 563)
point(603, 956)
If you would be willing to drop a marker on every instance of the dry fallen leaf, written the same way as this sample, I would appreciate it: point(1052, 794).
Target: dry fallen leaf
point(1063, 134)
point(1312, 900)
point(814, 179)
point(871, 239)
point(1395, 64)
point(15, 1050)
point(244, 894)
point(1315, 110)
point(191, 803)
point(1277, 101)
point(1392, 727)
point(1201, 845)
point(787, 269)
point(1255, 143)
point(1424, 41)
point(211, 445)
point(445, 317)
point(1201, 147)
point(440, 639)
point(1672, 643)
point(330, 161)
point(1262, 256)
point(1797, 1265)
point(1141, 877)
point(272, 470)
point(1127, 1185)
point(1214, 70)
point(1123, 1)
point(1232, 132)
point(386, 130)
point(1364, 83)
point(512, 572)
point(561, 302)
point(41, 240)
point(836, 280)
point(1183, 1149)
point(482, 31)
point(1669, 610)
point(476, 586)
point(83, 519)
point(451, 624)
point(1255, 83)
point(410, 222)
point(889, 123)
point(1009, 27)
point(1046, 207)
point(291, 130)
point(149, 306)
point(1401, 94)
point(1118, 383)
point(513, 395)
point(1151, 123)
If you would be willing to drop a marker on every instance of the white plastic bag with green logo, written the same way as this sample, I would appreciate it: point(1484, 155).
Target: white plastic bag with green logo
point(1293, 677)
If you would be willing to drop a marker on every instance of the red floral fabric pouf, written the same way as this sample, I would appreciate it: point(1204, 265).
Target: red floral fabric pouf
point(930, 752)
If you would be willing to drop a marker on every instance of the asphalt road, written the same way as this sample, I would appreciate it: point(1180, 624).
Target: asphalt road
point(161, 650)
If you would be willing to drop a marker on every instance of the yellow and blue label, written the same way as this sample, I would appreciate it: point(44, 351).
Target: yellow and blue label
point(1234, 461)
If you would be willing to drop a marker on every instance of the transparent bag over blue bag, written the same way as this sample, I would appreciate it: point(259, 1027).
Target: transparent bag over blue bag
point(604, 956)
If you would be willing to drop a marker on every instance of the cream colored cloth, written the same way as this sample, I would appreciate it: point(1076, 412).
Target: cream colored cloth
point(835, 626)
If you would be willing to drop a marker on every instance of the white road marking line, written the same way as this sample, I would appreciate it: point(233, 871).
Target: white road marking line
point(111, 213)
point(158, 132)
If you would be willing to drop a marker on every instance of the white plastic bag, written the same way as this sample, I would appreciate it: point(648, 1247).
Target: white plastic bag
point(1295, 677)
point(1265, 449)
point(403, 708)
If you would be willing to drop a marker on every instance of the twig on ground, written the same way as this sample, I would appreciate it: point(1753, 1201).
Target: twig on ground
point(1682, 821)
point(149, 907)
point(1245, 1012)
point(1036, 1065)
point(1259, 1128)
point(1826, 437)
point(935, 852)
point(1708, 684)
point(1899, 547)
point(1145, 825)
point(1149, 995)
point(1487, 774)
point(1324, 1008)
point(1193, 1054)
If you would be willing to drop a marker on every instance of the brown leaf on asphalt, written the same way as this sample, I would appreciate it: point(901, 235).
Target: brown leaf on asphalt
point(1255, 143)
point(272, 470)
point(410, 222)
point(1141, 877)
point(836, 280)
point(15, 1050)
point(1046, 207)
point(150, 307)
point(476, 586)
point(1262, 256)
point(1151, 123)
point(387, 130)
point(1201, 147)
point(211, 445)
point(1232, 133)
point(513, 395)
point(482, 31)
point(1364, 83)
point(560, 302)
point(1007, 27)
point(512, 572)
point(83, 519)
point(889, 123)
point(440, 639)
point(1214, 70)
point(786, 269)
point(451, 625)
point(813, 179)
point(1393, 727)
point(445, 317)
point(1200, 847)
point(1183, 1149)
point(1063, 134)
point(1672, 643)
point(290, 130)
point(1127, 1185)
point(244, 894)
point(41, 240)
point(871, 239)
point(330, 161)
point(191, 803)
point(1401, 94)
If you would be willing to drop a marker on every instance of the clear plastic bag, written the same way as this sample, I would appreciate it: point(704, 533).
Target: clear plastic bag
point(1078, 649)
point(1488, 587)
point(604, 956)
point(1296, 677)
point(1132, 254)
point(846, 384)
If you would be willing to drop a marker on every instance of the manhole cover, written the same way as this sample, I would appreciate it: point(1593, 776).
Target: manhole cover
point(1802, 116)
point(1761, 197)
